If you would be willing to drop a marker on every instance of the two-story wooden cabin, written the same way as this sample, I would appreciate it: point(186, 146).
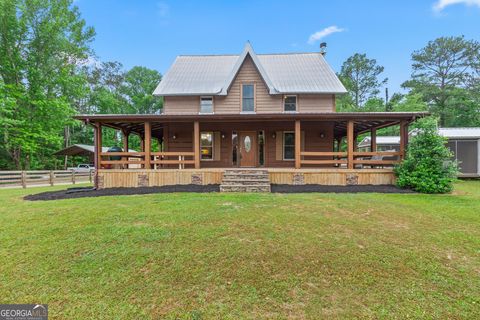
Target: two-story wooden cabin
point(270, 111)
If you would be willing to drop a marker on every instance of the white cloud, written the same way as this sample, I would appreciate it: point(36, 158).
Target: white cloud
point(442, 4)
point(323, 33)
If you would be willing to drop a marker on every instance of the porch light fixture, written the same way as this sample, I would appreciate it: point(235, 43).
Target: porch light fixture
point(274, 135)
point(174, 136)
point(223, 135)
point(322, 135)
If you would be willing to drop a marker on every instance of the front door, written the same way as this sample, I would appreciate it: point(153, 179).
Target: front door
point(248, 148)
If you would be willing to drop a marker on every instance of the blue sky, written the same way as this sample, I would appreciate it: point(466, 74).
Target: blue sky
point(152, 33)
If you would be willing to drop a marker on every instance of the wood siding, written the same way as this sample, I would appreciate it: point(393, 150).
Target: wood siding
point(311, 131)
point(264, 102)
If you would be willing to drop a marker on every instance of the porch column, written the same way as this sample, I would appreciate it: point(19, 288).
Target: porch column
point(373, 139)
point(125, 140)
point(350, 134)
point(402, 139)
point(298, 144)
point(148, 144)
point(125, 135)
point(196, 143)
point(98, 146)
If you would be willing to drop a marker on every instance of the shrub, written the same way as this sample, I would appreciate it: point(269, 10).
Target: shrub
point(428, 166)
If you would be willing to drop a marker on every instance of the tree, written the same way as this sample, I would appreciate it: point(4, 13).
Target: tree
point(138, 86)
point(444, 73)
point(41, 44)
point(428, 167)
point(361, 76)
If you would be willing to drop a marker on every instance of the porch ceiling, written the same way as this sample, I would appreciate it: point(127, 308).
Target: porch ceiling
point(364, 121)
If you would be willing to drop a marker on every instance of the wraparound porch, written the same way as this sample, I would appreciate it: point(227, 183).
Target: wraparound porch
point(323, 142)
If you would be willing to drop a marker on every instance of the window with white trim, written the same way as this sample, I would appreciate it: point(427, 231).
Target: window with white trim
point(206, 145)
point(248, 98)
point(290, 104)
point(288, 145)
point(206, 104)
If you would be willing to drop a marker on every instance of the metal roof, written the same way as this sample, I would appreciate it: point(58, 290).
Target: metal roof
point(381, 140)
point(460, 133)
point(81, 149)
point(282, 73)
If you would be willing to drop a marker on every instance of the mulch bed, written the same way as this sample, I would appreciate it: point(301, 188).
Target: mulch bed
point(73, 193)
point(90, 192)
point(287, 188)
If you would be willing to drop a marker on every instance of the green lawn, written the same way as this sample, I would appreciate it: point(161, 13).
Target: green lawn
point(235, 256)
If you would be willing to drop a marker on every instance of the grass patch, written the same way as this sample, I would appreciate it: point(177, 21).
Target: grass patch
point(203, 256)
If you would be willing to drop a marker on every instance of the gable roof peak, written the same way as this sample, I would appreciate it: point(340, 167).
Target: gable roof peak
point(248, 51)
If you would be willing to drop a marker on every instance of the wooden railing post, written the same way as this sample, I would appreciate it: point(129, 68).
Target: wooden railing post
point(52, 177)
point(373, 139)
point(90, 176)
point(125, 135)
point(298, 144)
point(350, 134)
point(196, 143)
point(73, 176)
point(148, 144)
point(402, 140)
point(23, 178)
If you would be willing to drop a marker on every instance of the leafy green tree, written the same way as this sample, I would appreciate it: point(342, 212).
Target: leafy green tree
point(428, 167)
point(411, 102)
point(445, 72)
point(137, 89)
point(41, 45)
point(361, 77)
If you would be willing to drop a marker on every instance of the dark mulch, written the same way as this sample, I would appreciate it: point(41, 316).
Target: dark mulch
point(89, 192)
point(286, 188)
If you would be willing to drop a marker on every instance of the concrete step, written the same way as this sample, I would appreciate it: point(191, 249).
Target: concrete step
point(246, 171)
point(244, 188)
point(250, 182)
point(246, 176)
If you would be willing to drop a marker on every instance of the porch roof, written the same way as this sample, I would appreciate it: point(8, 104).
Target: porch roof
point(364, 121)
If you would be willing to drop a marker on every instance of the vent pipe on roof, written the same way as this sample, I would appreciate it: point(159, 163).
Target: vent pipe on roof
point(323, 48)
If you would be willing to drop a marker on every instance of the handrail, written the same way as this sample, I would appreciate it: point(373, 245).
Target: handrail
point(376, 153)
point(322, 154)
point(123, 154)
point(172, 154)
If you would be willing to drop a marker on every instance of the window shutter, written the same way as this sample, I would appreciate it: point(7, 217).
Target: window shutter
point(217, 137)
point(279, 145)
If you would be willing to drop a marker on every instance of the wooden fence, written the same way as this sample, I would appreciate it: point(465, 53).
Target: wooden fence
point(37, 178)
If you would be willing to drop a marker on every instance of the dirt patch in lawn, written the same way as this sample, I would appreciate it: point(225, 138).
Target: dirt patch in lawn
point(287, 188)
point(90, 192)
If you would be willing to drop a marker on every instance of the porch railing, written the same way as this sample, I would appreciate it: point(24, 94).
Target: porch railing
point(157, 159)
point(359, 158)
point(336, 157)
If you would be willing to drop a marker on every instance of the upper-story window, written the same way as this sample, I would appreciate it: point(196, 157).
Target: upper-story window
point(206, 104)
point(290, 104)
point(248, 98)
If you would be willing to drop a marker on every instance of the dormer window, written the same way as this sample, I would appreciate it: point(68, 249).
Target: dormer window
point(290, 104)
point(248, 98)
point(206, 104)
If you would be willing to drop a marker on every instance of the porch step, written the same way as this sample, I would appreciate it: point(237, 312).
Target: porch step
point(245, 180)
point(245, 188)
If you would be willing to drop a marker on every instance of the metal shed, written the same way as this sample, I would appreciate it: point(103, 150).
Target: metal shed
point(465, 145)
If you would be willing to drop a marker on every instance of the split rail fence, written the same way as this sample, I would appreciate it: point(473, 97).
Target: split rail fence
point(42, 178)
